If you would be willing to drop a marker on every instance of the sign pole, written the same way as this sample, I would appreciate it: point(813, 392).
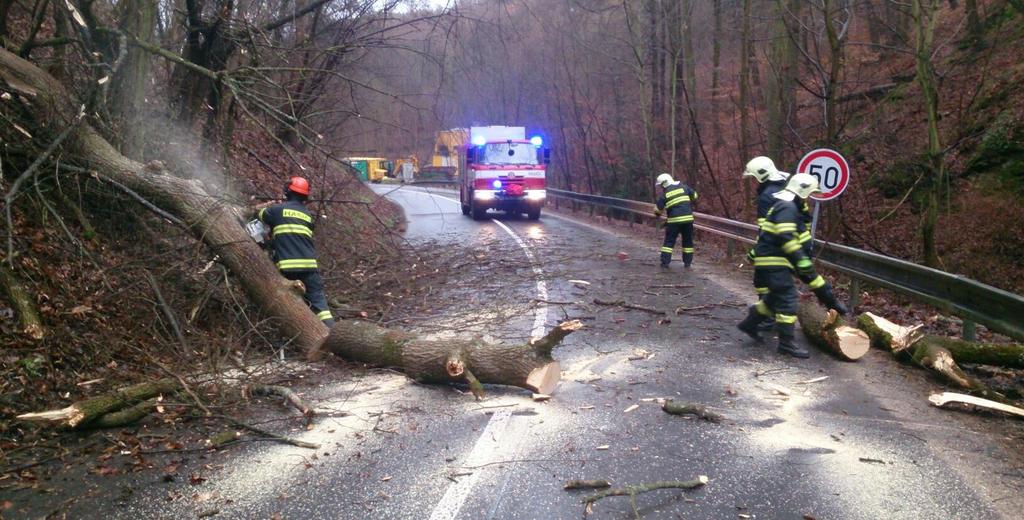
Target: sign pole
point(814, 219)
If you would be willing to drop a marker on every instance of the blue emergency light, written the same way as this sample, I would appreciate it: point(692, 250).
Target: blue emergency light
point(479, 140)
point(536, 141)
point(496, 184)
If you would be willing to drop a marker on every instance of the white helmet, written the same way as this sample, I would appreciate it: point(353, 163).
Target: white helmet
point(664, 180)
point(763, 169)
point(803, 185)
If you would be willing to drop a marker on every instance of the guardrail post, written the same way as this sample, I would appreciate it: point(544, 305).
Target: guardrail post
point(854, 293)
point(969, 332)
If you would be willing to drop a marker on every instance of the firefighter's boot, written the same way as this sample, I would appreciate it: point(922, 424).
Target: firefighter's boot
point(749, 324)
point(687, 256)
point(827, 297)
point(666, 256)
point(787, 345)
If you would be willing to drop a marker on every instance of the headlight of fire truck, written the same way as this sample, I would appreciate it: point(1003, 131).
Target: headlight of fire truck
point(483, 194)
point(536, 194)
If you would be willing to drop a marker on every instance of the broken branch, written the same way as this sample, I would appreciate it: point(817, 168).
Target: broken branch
point(700, 411)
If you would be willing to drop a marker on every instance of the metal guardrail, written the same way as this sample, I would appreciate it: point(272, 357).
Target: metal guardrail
point(973, 301)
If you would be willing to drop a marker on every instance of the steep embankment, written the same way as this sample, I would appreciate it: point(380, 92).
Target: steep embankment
point(121, 291)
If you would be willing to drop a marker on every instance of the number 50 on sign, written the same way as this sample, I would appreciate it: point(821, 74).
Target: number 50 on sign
point(831, 170)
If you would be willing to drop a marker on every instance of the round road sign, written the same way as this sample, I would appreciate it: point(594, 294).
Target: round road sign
point(831, 170)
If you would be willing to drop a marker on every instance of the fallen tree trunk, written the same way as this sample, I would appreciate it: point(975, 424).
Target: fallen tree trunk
point(826, 329)
point(890, 336)
point(527, 366)
point(84, 413)
point(209, 218)
point(927, 351)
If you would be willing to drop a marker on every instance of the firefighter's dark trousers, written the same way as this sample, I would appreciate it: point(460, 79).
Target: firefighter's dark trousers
point(781, 299)
point(315, 297)
point(671, 232)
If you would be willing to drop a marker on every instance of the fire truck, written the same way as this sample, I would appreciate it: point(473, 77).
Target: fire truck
point(501, 169)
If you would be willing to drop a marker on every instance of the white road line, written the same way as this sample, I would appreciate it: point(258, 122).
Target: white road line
point(540, 318)
point(490, 441)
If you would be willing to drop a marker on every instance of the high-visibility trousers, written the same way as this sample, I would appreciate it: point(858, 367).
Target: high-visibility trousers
point(672, 231)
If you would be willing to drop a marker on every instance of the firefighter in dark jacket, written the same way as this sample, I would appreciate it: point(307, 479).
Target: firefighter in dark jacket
point(677, 203)
point(770, 181)
point(777, 254)
point(291, 236)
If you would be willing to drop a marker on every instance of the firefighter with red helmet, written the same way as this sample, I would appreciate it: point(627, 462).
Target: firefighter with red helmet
point(291, 236)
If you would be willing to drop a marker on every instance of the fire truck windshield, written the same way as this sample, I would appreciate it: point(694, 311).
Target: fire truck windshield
point(508, 153)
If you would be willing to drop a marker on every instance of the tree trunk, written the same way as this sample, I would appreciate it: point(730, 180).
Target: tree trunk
point(744, 87)
point(24, 304)
point(128, 93)
point(210, 219)
point(931, 352)
point(827, 330)
point(925, 15)
point(527, 366)
point(1010, 355)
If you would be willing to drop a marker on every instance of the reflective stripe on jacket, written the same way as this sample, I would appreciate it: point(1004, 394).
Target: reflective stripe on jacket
point(291, 232)
point(678, 203)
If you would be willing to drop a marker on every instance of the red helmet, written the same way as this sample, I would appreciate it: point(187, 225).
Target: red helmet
point(298, 185)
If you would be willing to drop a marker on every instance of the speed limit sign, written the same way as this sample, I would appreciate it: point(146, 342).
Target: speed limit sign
point(831, 170)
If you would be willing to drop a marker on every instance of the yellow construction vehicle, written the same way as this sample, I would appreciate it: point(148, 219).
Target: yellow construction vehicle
point(444, 164)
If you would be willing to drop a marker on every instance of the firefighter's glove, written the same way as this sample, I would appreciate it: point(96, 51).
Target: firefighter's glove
point(750, 255)
point(657, 213)
point(827, 297)
point(804, 266)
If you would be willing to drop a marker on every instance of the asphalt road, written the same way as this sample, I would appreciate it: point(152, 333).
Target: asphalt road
point(861, 444)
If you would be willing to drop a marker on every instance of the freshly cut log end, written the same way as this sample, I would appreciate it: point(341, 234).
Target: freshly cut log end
point(543, 380)
point(852, 343)
point(826, 330)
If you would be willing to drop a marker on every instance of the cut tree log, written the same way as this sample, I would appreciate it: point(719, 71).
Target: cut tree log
point(826, 329)
point(952, 397)
point(83, 413)
point(527, 366)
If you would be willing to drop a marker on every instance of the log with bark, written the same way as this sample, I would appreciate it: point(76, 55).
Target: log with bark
point(827, 330)
point(528, 365)
point(896, 338)
point(24, 304)
point(209, 218)
point(113, 409)
point(936, 353)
